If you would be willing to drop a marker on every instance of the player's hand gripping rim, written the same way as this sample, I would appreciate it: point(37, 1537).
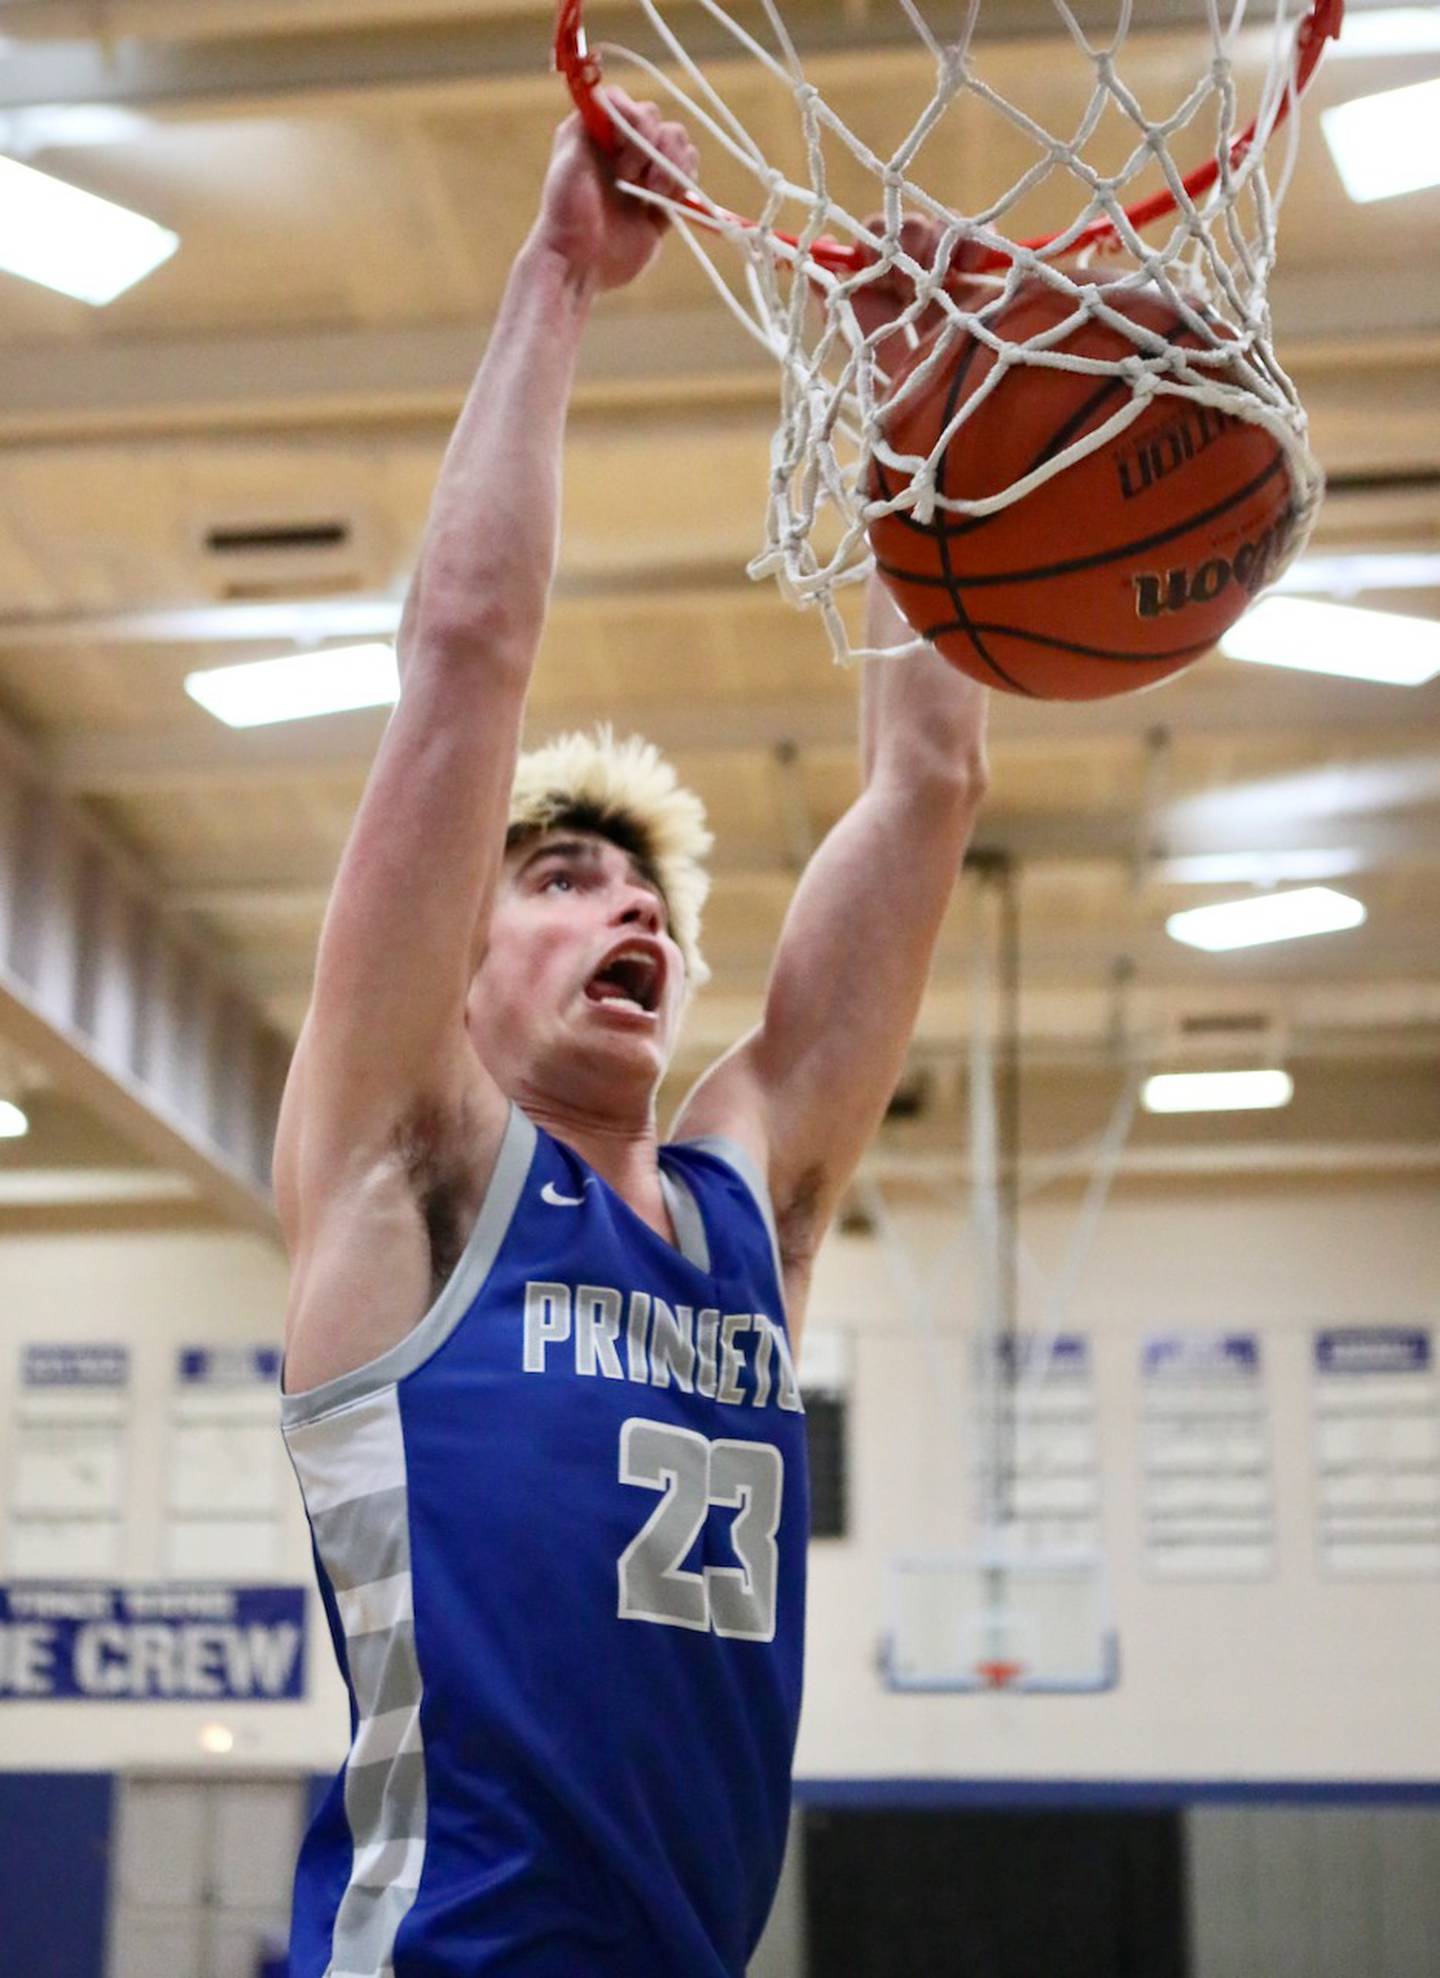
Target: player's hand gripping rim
point(604, 233)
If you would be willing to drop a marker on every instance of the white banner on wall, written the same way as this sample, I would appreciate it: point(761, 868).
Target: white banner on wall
point(1054, 1489)
point(1207, 1495)
point(1377, 1452)
point(67, 1476)
point(223, 1497)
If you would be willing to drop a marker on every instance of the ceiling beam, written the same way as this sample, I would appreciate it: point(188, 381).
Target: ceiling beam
point(477, 34)
point(247, 57)
point(132, 762)
point(338, 377)
point(88, 1188)
point(62, 61)
point(1229, 709)
point(123, 1012)
point(228, 20)
point(1080, 1013)
point(1220, 1159)
point(695, 360)
point(1075, 1018)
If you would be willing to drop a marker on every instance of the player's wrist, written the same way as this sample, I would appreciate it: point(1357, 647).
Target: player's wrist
point(552, 258)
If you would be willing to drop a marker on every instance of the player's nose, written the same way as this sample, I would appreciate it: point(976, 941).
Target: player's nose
point(639, 908)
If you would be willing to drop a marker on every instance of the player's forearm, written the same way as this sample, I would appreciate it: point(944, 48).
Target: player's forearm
point(922, 721)
point(488, 555)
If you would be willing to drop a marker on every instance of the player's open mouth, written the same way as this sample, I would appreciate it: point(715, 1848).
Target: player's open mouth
point(629, 981)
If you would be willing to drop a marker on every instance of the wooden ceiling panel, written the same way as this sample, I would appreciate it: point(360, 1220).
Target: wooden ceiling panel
point(632, 503)
point(217, 834)
point(96, 690)
point(344, 251)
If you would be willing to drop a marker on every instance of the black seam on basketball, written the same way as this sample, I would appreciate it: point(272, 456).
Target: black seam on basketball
point(1112, 387)
point(1071, 645)
point(967, 525)
point(1039, 572)
point(942, 537)
point(935, 529)
point(1061, 439)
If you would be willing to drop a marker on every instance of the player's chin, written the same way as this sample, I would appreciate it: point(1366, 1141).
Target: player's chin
point(625, 1028)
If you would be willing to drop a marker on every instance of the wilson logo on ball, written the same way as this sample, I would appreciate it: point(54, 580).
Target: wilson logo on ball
point(1251, 568)
point(1138, 468)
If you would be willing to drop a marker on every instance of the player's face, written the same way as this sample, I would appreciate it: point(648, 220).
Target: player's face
point(580, 972)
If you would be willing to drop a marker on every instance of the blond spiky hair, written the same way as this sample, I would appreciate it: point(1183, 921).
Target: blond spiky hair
point(625, 791)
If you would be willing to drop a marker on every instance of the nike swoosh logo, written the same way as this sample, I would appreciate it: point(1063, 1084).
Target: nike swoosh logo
point(551, 1194)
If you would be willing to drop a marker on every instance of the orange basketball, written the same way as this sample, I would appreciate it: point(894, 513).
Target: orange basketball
point(1122, 568)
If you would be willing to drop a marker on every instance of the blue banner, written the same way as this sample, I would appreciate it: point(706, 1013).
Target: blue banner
point(1373, 1350)
point(1212, 1354)
point(65, 1364)
point(147, 1644)
point(228, 1366)
point(1053, 1356)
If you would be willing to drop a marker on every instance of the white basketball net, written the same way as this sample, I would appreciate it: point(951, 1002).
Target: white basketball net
point(1217, 249)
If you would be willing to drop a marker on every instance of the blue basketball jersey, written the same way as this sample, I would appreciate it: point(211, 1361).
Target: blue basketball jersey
point(560, 1534)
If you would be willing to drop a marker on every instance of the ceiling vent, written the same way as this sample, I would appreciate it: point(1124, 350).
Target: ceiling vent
point(285, 555)
point(1238, 1038)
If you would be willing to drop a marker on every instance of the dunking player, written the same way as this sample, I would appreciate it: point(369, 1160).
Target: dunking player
point(540, 1393)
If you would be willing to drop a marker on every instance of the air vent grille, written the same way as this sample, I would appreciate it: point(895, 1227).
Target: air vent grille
point(265, 540)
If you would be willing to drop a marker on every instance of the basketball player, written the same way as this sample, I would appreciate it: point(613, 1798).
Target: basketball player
point(540, 1386)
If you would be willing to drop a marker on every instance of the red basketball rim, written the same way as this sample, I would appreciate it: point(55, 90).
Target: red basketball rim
point(581, 69)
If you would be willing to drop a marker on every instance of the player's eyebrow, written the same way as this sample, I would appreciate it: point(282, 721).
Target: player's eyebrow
point(586, 851)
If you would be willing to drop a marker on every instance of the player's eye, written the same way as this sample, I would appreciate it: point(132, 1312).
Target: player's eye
point(557, 880)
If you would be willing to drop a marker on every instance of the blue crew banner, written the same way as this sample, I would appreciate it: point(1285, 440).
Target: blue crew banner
point(147, 1644)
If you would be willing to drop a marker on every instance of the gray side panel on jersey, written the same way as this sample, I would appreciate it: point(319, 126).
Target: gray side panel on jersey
point(689, 1223)
point(734, 1156)
point(350, 1463)
point(512, 1165)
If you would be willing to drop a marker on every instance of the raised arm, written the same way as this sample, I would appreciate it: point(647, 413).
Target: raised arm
point(384, 1046)
point(806, 1090)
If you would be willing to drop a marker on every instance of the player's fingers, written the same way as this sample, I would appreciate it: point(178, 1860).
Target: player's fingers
point(673, 143)
point(632, 157)
point(566, 132)
point(920, 239)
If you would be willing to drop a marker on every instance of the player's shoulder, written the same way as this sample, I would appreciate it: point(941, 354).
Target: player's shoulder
point(725, 1113)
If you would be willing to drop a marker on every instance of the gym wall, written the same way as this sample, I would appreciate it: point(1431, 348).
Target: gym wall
point(1230, 1694)
point(1293, 1676)
point(1298, 1675)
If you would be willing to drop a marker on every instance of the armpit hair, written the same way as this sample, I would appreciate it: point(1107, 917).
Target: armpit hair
point(429, 1142)
point(797, 1220)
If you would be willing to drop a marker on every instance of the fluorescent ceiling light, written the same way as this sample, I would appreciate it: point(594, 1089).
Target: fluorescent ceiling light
point(308, 622)
point(65, 239)
point(1337, 638)
point(1267, 917)
point(1387, 31)
point(1216, 1091)
point(1387, 144)
point(1259, 868)
point(13, 1122)
point(1375, 570)
point(61, 126)
point(293, 689)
